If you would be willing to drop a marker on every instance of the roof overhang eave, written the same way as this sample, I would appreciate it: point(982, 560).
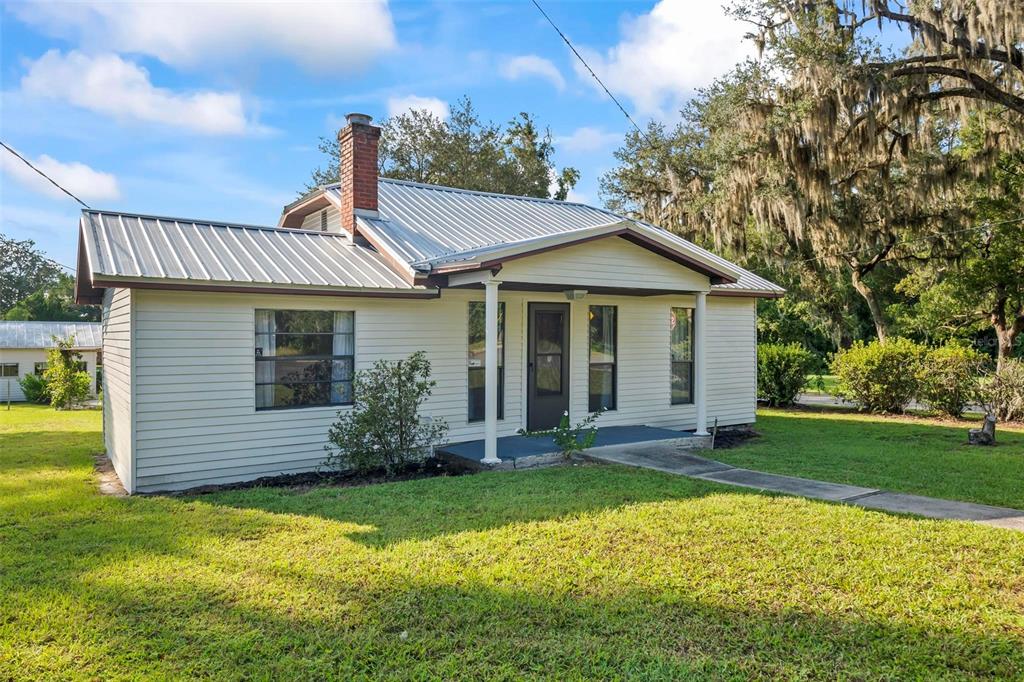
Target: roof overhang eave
point(130, 282)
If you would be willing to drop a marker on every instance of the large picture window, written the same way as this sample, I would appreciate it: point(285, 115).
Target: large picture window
point(304, 358)
point(476, 360)
point(603, 342)
point(681, 348)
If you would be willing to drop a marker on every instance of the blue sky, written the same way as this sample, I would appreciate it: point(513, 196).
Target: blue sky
point(214, 111)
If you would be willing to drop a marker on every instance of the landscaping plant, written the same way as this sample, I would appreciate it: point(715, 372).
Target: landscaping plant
point(35, 389)
point(384, 430)
point(1004, 391)
point(66, 383)
point(879, 376)
point(949, 378)
point(570, 438)
point(782, 372)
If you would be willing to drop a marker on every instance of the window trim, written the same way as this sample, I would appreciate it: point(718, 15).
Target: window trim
point(269, 358)
point(614, 364)
point(691, 319)
point(5, 365)
point(503, 337)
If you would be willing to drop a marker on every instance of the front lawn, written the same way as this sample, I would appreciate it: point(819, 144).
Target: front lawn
point(570, 573)
point(906, 454)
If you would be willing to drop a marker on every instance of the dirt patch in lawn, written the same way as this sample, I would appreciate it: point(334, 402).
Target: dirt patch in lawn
point(731, 438)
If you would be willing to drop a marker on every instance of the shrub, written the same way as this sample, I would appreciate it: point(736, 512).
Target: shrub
point(782, 371)
point(1004, 392)
point(879, 376)
point(67, 384)
point(949, 378)
point(384, 430)
point(567, 436)
point(35, 389)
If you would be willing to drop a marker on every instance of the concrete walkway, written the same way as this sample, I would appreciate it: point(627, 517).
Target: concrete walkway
point(676, 461)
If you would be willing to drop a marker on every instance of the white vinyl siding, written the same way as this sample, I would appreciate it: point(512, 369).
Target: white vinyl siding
point(195, 414)
point(118, 415)
point(314, 220)
point(607, 262)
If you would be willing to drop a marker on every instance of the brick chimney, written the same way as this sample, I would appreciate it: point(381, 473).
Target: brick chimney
point(358, 145)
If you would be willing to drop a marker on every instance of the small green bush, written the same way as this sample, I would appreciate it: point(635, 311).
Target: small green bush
point(384, 430)
point(35, 389)
point(950, 378)
point(782, 371)
point(1004, 392)
point(879, 377)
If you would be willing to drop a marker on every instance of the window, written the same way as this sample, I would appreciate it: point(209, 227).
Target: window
point(304, 358)
point(9, 369)
point(603, 340)
point(323, 221)
point(477, 354)
point(681, 346)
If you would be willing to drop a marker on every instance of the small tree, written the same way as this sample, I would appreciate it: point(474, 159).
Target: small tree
point(384, 429)
point(68, 385)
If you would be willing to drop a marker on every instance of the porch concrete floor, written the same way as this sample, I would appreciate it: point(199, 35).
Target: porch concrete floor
point(511, 448)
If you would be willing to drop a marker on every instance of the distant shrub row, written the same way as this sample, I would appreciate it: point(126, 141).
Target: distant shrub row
point(886, 377)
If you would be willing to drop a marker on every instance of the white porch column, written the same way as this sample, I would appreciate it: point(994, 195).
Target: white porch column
point(491, 373)
point(700, 317)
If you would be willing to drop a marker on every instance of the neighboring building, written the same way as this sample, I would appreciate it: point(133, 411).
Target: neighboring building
point(23, 347)
point(229, 349)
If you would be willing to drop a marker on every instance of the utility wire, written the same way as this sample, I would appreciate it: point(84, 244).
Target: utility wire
point(587, 66)
point(975, 228)
point(52, 181)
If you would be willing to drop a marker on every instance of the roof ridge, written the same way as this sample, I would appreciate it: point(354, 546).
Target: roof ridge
point(212, 223)
point(461, 190)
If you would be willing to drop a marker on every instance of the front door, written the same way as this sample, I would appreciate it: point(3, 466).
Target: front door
point(547, 365)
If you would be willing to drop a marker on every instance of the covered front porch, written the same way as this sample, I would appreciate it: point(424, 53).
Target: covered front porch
point(519, 451)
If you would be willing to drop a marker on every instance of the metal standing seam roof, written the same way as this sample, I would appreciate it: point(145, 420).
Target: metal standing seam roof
point(427, 224)
point(128, 247)
point(40, 334)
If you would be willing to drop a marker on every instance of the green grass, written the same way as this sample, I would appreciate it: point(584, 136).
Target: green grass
point(827, 386)
point(568, 573)
point(906, 454)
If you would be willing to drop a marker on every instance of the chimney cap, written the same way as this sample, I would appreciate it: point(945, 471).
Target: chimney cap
point(362, 119)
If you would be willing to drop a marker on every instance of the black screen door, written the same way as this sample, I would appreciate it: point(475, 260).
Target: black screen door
point(547, 365)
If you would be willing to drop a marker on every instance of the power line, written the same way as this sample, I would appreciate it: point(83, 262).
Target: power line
point(587, 66)
point(975, 228)
point(52, 181)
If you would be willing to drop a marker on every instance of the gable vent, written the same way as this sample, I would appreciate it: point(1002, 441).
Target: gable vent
point(323, 221)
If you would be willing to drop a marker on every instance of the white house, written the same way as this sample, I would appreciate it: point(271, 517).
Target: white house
point(229, 349)
point(23, 347)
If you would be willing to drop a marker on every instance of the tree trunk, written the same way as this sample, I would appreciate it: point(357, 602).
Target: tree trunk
point(1006, 332)
point(881, 326)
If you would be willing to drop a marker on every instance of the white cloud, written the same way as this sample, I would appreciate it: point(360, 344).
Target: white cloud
point(663, 56)
point(587, 139)
point(320, 36)
point(528, 65)
point(401, 105)
point(79, 179)
point(110, 85)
